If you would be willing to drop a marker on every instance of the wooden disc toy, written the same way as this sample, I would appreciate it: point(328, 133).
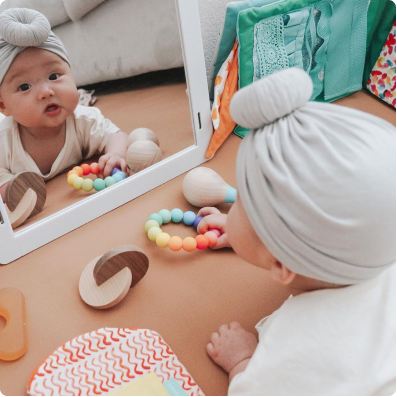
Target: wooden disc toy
point(106, 280)
point(142, 154)
point(203, 187)
point(13, 338)
point(23, 210)
point(143, 134)
point(18, 187)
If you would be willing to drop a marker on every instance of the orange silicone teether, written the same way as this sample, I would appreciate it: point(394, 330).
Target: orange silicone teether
point(13, 338)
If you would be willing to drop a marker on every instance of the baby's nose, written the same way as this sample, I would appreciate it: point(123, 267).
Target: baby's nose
point(45, 92)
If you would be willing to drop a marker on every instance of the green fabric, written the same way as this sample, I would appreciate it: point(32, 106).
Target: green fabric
point(245, 32)
point(320, 56)
point(381, 16)
point(270, 10)
point(346, 48)
point(294, 36)
point(229, 33)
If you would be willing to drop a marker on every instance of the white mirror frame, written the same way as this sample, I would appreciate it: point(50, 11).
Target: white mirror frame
point(14, 245)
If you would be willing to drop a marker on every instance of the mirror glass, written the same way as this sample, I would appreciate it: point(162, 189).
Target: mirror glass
point(127, 59)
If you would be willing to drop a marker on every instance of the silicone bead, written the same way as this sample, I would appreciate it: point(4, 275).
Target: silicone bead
point(79, 170)
point(197, 221)
point(151, 223)
point(212, 238)
point(176, 215)
point(122, 173)
point(216, 231)
point(94, 168)
point(99, 184)
point(162, 240)
point(71, 178)
point(156, 217)
point(117, 177)
point(86, 169)
point(72, 172)
point(202, 242)
point(153, 233)
point(115, 170)
point(78, 182)
point(175, 243)
point(189, 244)
point(166, 215)
point(109, 181)
point(87, 185)
point(189, 217)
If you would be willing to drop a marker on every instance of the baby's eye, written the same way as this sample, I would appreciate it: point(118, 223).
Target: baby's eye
point(24, 87)
point(54, 76)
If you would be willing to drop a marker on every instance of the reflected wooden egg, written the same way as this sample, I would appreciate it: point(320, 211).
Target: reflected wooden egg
point(143, 134)
point(142, 154)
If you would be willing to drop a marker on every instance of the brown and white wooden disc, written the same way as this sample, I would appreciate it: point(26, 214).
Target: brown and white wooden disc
point(23, 210)
point(106, 280)
point(18, 186)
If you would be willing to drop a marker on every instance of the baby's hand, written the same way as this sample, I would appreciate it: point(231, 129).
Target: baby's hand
point(108, 161)
point(213, 219)
point(232, 347)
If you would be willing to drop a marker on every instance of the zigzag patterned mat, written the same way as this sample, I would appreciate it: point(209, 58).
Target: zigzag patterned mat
point(103, 361)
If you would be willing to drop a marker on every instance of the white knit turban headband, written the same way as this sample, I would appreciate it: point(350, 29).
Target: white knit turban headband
point(21, 28)
point(318, 181)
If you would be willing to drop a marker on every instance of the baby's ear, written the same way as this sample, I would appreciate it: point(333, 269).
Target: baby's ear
point(281, 273)
point(3, 108)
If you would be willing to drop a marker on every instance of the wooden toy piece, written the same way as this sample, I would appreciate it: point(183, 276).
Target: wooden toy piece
point(117, 259)
point(142, 154)
point(23, 210)
point(203, 187)
point(106, 280)
point(13, 337)
point(143, 134)
point(18, 186)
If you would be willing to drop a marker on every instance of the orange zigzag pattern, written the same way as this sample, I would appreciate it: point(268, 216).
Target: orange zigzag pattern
point(103, 360)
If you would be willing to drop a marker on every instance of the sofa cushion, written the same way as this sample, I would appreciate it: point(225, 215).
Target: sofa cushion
point(76, 9)
point(54, 10)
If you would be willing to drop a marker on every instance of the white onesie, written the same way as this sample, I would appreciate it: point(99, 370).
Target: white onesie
point(87, 133)
point(338, 341)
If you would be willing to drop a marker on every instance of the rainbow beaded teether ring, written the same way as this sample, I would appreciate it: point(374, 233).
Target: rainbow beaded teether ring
point(75, 178)
point(175, 243)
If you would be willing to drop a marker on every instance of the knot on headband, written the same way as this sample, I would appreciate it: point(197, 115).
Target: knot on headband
point(271, 98)
point(23, 27)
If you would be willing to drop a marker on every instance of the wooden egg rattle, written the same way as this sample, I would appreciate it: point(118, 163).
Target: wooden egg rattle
point(143, 150)
point(13, 337)
point(25, 197)
point(203, 187)
point(143, 134)
point(106, 280)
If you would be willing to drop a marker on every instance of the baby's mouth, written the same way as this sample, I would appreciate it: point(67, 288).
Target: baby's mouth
point(51, 108)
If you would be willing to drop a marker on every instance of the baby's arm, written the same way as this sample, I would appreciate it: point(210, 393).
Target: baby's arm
point(231, 348)
point(114, 154)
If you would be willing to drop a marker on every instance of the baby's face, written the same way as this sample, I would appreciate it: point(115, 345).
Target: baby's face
point(38, 90)
point(243, 239)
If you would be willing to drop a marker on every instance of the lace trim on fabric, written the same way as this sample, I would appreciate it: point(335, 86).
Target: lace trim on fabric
point(270, 54)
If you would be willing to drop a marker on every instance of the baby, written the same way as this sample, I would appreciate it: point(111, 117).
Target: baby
point(45, 130)
point(317, 209)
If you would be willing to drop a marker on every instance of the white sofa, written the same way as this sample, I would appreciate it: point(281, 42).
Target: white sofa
point(123, 24)
point(112, 39)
